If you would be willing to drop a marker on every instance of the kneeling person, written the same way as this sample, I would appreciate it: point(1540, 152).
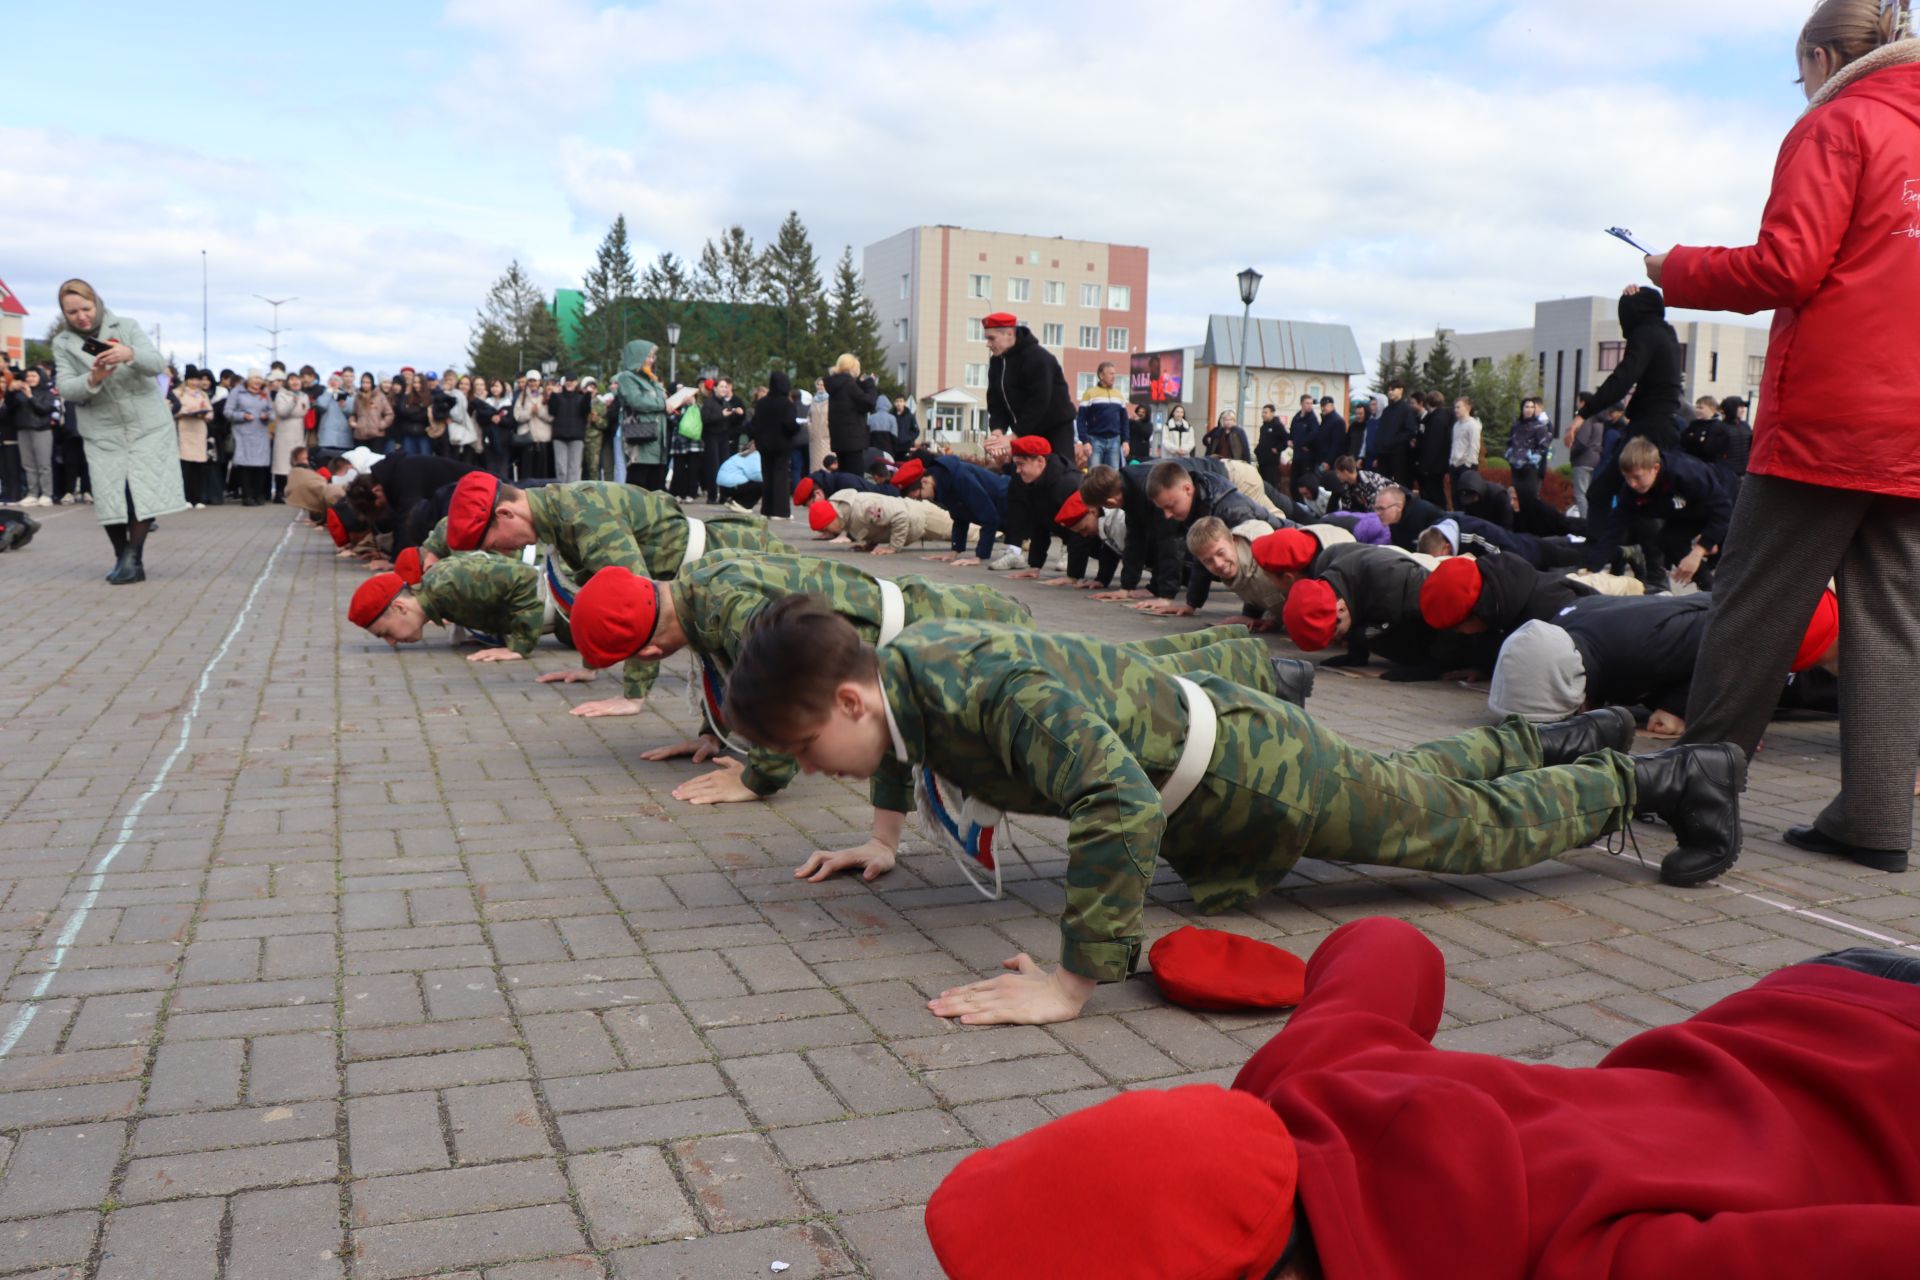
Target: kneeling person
point(1148, 759)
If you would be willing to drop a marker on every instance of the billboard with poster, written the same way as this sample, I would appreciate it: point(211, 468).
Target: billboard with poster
point(1155, 377)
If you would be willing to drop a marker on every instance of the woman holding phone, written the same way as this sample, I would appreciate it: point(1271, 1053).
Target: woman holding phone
point(1833, 484)
point(106, 368)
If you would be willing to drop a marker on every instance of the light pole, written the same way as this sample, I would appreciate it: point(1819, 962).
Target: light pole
point(1249, 289)
point(203, 309)
point(276, 331)
point(673, 354)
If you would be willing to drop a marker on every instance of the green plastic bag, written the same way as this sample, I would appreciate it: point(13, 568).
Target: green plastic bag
point(690, 423)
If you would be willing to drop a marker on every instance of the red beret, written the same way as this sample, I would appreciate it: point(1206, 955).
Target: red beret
point(1821, 633)
point(1070, 511)
point(1032, 447)
point(613, 616)
point(1285, 550)
point(471, 510)
point(821, 514)
point(803, 491)
point(337, 529)
point(323, 473)
point(372, 597)
point(1222, 1169)
point(910, 471)
point(407, 565)
point(1000, 320)
point(1311, 614)
point(1448, 595)
point(1219, 971)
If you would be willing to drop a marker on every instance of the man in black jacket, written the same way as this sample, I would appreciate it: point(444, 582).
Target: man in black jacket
point(722, 416)
point(1304, 434)
point(1369, 597)
point(1149, 545)
point(1651, 369)
point(1026, 396)
point(1393, 438)
point(387, 495)
point(570, 407)
point(1049, 481)
point(1184, 495)
point(1405, 516)
point(1331, 442)
point(1435, 450)
point(1270, 445)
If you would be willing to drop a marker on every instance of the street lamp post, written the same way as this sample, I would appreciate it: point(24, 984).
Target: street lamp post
point(1249, 289)
point(673, 354)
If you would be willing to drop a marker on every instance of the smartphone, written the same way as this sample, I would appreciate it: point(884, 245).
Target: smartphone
point(95, 347)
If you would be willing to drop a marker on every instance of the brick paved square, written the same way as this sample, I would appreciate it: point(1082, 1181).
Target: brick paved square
point(561, 1026)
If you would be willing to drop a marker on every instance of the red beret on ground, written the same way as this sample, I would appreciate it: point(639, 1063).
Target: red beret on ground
point(1285, 550)
point(1000, 320)
point(1448, 595)
point(334, 527)
point(1070, 511)
point(613, 616)
point(407, 565)
point(372, 597)
point(1821, 633)
point(821, 514)
point(803, 491)
point(1222, 1171)
point(910, 471)
point(1220, 971)
point(471, 510)
point(1032, 447)
point(1311, 614)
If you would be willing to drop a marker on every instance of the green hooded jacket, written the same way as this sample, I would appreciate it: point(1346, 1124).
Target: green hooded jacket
point(643, 404)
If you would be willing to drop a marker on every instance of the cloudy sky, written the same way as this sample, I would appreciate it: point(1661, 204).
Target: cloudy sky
point(1394, 165)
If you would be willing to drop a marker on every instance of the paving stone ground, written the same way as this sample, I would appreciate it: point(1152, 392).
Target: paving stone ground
point(403, 971)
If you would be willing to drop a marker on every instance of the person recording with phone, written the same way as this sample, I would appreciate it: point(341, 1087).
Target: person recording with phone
point(107, 364)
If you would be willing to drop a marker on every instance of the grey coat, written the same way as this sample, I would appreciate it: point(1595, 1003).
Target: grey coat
point(252, 436)
point(129, 432)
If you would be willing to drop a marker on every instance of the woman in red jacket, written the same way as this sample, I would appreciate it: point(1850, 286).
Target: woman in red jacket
point(1834, 483)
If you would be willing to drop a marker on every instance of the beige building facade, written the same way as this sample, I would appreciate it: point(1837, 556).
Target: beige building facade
point(930, 286)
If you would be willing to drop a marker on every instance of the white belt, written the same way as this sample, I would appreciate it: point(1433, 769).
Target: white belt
point(893, 610)
point(696, 542)
point(966, 826)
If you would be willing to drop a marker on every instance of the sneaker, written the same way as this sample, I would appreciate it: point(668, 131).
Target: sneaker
point(66, 499)
point(199, 506)
point(1008, 558)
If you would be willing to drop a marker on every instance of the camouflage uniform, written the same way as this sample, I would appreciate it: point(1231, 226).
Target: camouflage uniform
point(1094, 731)
point(597, 523)
point(496, 595)
point(717, 601)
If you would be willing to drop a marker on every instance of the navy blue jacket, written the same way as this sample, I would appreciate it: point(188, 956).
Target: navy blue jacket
point(972, 496)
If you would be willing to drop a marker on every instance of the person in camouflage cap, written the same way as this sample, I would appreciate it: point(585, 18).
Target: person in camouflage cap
point(709, 609)
point(593, 524)
point(1072, 727)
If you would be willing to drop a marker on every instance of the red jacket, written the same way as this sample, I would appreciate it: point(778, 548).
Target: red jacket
point(1838, 258)
point(1773, 1135)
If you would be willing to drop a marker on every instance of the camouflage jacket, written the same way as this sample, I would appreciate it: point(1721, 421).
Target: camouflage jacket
point(717, 600)
point(485, 592)
point(1071, 727)
point(597, 523)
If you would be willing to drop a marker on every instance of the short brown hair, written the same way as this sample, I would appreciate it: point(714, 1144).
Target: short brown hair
point(1205, 532)
point(1102, 483)
point(1639, 454)
point(1164, 476)
point(1433, 543)
point(792, 658)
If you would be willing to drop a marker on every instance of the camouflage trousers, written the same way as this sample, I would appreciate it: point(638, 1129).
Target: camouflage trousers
point(1282, 788)
point(1231, 655)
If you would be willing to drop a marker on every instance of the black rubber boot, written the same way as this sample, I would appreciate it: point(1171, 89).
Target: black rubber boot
point(1294, 676)
point(1602, 729)
point(128, 568)
point(1696, 792)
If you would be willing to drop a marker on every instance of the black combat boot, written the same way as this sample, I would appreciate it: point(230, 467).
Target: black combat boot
point(1603, 729)
point(1696, 792)
point(1294, 676)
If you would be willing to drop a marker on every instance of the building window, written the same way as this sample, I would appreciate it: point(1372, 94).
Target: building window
point(975, 333)
point(1086, 380)
point(900, 373)
point(980, 286)
point(1116, 339)
point(1483, 362)
point(906, 282)
point(1611, 353)
point(1756, 370)
point(1090, 337)
point(976, 375)
point(1713, 367)
point(1018, 288)
point(1119, 298)
point(899, 330)
point(1056, 293)
point(1053, 335)
point(1089, 295)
